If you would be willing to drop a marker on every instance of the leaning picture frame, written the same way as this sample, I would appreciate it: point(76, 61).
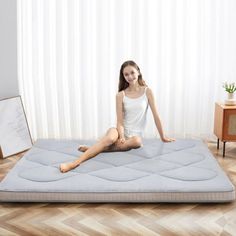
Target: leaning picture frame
point(15, 135)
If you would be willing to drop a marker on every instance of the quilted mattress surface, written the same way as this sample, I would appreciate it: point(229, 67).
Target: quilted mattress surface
point(180, 171)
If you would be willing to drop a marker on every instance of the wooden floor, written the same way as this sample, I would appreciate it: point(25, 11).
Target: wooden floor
point(121, 219)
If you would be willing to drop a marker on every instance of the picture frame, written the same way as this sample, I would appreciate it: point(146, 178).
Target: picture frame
point(15, 135)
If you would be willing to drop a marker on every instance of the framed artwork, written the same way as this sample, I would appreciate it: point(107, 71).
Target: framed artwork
point(14, 131)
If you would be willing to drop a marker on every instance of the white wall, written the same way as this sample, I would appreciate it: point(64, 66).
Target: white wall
point(8, 49)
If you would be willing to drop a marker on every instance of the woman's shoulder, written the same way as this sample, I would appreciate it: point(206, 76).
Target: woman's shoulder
point(148, 92)
point(120, 94)
point(148, 89)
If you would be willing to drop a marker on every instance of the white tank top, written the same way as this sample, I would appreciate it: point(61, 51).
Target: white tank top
point(135, 112)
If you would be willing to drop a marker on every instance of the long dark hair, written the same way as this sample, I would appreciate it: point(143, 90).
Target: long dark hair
point(123, 84)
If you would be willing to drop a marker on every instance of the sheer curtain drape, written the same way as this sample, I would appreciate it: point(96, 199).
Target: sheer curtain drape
point(70, 52)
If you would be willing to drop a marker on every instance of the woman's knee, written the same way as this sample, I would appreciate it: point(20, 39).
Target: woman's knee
point(112, 132)
point(111, 137)
point(137, 141)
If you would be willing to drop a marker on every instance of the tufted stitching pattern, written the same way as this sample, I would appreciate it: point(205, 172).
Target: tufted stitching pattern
point(177, 160)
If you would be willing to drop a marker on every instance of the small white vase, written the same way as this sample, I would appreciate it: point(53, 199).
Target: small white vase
point(230, 101)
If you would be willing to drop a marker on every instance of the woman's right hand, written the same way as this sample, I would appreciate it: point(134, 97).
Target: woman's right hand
point(166, 140)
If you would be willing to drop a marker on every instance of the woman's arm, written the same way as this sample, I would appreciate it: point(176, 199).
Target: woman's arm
point(156, 117)
point(119, 114)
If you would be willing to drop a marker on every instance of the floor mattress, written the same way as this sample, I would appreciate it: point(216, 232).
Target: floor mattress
point(180, 171)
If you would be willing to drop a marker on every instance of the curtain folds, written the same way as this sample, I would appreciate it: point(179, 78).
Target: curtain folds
point(70, 53)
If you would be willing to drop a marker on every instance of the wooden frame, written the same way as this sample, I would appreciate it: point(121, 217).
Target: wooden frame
point(14, 130)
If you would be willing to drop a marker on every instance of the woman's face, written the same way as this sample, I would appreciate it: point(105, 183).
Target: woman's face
point(131, 74)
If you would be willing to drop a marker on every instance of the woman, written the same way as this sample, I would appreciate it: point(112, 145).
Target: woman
point(132, 102)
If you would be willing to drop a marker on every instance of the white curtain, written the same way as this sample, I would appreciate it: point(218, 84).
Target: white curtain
point(70, 53)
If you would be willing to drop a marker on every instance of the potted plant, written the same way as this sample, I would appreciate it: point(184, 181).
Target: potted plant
point(230, 88)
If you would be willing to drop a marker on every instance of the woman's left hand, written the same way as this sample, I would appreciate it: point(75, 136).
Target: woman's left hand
point(166, 140)
point(121, 140)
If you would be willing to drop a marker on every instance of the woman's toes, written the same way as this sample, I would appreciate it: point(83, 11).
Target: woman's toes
point(64, 167)
point(83, 148)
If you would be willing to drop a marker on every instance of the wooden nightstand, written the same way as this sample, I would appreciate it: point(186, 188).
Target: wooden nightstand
point(225, 124)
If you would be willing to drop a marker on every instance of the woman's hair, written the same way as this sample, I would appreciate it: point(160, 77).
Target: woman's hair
point(123, 84)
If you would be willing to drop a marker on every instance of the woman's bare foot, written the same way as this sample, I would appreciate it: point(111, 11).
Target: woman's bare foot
point(64, 167)
point(83, 148)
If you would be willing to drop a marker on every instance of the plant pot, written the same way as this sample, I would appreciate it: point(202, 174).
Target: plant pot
point(230, 101)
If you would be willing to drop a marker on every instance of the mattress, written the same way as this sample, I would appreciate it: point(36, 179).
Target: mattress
point(180, 171)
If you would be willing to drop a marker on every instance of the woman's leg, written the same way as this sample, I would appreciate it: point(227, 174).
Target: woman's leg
point(130, 143)
point(110, 138)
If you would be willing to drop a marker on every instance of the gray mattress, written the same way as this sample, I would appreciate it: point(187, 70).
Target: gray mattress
point(181, 171)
